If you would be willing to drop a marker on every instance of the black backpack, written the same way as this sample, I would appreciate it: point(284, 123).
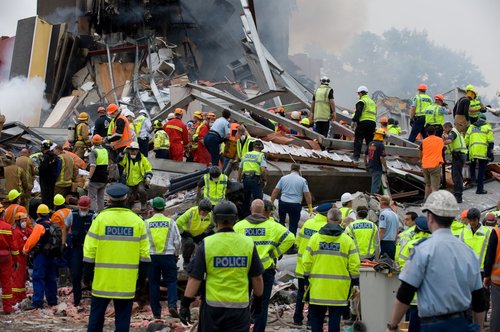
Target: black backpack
point(52, 246)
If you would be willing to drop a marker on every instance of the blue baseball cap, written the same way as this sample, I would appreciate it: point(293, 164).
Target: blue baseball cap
point(323, 208)
point(117, 191)
point(421, 223)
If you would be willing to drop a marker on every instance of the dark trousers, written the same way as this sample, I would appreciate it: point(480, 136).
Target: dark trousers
point(388, 247)
point(376, 181)
point(481, 171)
point(214, 319)
point(322, 127)
point(457, 166)
point(458, 324)
point(298, 315)
point(143, 146)
point(138, 191)
point(439, 130)
point(162, 154)
point(251, 190)
point(47, 190)
point(364, 131)
point(317, 317)
point(44, 280)
point(212, 142)
point(260, 320)
point(293, 210)
point(414, 319)
point(77, 273)
point(162, 266)
point(123, 312)
point(417, 128)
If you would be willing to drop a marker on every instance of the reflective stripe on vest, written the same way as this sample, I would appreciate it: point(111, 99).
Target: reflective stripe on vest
point(322, 103)
point(364, 237)
point(458, 144)
point(479, 137)
point(171, 126)
point(194, 145)
point(161, 141)
point(432, 116)
point(102, 156)
point(345, 212)
point(422, 102)
point(62, 181)
point(477, 241)
point(495, 272)
point(369, 109)
point(126, 137)
point(251, 162)
point(474, 108)
point(138, 124)
point(158, 227)
point(241, 150)
point(228, 257)
point(215, 191)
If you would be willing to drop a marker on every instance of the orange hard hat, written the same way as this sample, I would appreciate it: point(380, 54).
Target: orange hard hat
point(112, 108)
point(272, 111)
point(463, 215)
point(97, 139)
point(279, 110)
point(383, 120)
point(179, 111)
point(422, 87)
point(439, 97)
point(210, 115)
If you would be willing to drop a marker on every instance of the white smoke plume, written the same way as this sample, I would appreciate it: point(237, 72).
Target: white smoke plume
point(22, 99)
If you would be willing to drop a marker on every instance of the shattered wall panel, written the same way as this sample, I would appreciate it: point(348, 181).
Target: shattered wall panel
point(122, 72)
point(22, 47)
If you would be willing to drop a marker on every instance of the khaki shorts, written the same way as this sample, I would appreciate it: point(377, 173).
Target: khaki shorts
point(432, 177)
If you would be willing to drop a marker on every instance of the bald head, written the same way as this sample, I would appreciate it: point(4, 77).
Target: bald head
point(24, 152)
point(257, 206)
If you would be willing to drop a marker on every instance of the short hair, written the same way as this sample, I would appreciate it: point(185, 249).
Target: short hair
point(334, 215)
point(362, 211)
point(385, 199)
point(413, 215)
point(448, 124)
point(295, 167)
point(226, 114)
point(442, 221)
point(431, 130)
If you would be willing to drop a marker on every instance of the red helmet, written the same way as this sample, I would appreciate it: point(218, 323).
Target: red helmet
point(84, 202)
point(422, 87)
point(101, 109)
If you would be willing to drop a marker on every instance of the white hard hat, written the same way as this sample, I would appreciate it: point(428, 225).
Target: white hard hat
point(134, 145)
point(362, 88)
point(143, 112)
point(346, 197)
point(170, 116)
point(442, 203)
point(295, 115)
point(127, 112)
point(324, 79)
point(346, 113)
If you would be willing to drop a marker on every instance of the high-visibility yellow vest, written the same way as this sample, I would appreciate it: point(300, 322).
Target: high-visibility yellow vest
point(191, 222)
point(310, 227)
point(194, 145)
point(345, 212)
point(330, 262)
point(251, 162)
point(157, 228)
point(322, 103)
point(404, 237)
point(271, 239)
point(116, 242)
point(369, 112)
point(422, 102)
point(365, 235)
point(477, 241)
point(458, 144)
point(394, 130)
point(432, 116)
point(102, 156)
point(474, 108)
point(161, 140)
point(126, 137)
point(215, 191)
point(456, 228)
point(477, 139)
point(136, 171)
point(228, 256)
point(138, 124)
point(242, 149)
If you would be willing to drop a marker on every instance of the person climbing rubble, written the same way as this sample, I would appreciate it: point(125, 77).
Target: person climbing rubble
point(177, 134)
point(82, 137)
point(161, 142)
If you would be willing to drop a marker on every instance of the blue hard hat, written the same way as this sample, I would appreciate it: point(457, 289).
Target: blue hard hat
point(323, 208)
point(421, 223)
point(117, 191)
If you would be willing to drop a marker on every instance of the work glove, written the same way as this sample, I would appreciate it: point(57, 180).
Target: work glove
point(147, 181)
point(256, 307)
point(310, 209)
point(86, 185)
point(185, 313)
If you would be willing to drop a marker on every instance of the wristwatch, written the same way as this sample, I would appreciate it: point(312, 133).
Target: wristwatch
point(392, 327)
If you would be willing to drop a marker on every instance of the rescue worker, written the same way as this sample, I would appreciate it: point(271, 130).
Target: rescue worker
point(14, 207)
point(421, 232)
point(119, 135)
point(431, 157)
point(61, 213)
point(491, 277)
point(21, 230)
point(310, 227)
point(67, 174)
point(227, 262)
point(244, 142)
point(197, 121)
point(143, 130)
point(393, 127)
point(194, 225)
point(331, 263)
point(48, 171)
point(346, 210)
point(253, 172)
point(79, 162)
point(44, 266)
point(383, 121)
point(388, 223)
point(364, 121)
point(375, 160)
point(138, 174)
point(417, 114)
point(479, 140)
point(461, 111)
point(475, 106)
point(102, 123)
point(434, 115)
point(306, 122)
point(218, 133)
point(98, 174)
point(406, 235)
point(214, 185)
point(26, 163)
point(432, 273)
point(78, 224)
point(164, 247)
point(476, 235)
point(198, 148)
point(130, 117)
point(456, 148)
point(116, 244)
point(365, 234)
point(177, 134)
point(323, 107)
point(161, 143)
point(8, 263)
point(15, 176)
point(82, 142)
point(272, 240)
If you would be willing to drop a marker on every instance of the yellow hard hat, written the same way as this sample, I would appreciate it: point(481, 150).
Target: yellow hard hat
point(198, 115)
point(59, 200)
point(83, 116)
point(42, 209)
point(305, 122)
point(13, 194)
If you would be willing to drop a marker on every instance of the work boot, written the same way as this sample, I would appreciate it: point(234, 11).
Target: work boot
point(173, 312)
point(484, 192)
